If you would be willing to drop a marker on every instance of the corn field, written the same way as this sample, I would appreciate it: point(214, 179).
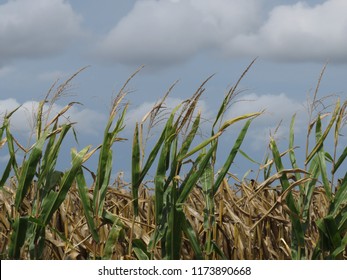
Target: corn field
point(192, 209)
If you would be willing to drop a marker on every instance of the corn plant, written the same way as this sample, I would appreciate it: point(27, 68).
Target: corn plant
point(171, 188)
point(332, 228)
point(193, 212)
point(51, 186)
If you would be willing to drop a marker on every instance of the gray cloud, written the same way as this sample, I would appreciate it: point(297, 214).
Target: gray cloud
point(299, 32)
point(169, 31)
point(36, 28)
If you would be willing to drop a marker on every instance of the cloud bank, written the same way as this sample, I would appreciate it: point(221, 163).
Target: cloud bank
point(36, 28)
point(170, 31)
point(299, 32)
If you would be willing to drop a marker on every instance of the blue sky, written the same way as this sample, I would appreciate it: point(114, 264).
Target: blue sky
point(185, 40)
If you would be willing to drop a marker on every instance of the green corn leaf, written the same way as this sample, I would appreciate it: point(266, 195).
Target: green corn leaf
point(328, 157)
point(50, 157)
point(342, 222)
point(174, 232)
point(209, 221)
point(218, 250)
point(239, 118)
point(215, 136)
point(278, 163)
point(340, 249)
point(86, 203)
point(207, 188)
point(140, 254)
point(136, 168)
point(267, 170)
point(101, 170)
point(298, 237)
point(283, 179)
point(115, 235)
point(321, 161)
point(340, 160)
point(246, 156)
point(2, 141)
point(153, 154)
point(6, 173)
point(54, 199)
point(157, 235)
point(105, 183)
point(53, 147)
point(330, 234)
point(29, 169)
point(20, 226)
point(105, 160)
point(39, 118)
point(231, 156)
point(324, 135)
point(199, 147)
point(339, 122)
point(189, 184)
point(292, 156)
point(137, 175)
point(188, 141)
point(160, 180)
point(309, 188)
point(193, 238)
point(10, 145)
point(140, 249)
point(340, 200)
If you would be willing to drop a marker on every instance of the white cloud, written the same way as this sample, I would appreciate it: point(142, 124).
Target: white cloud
point(88, 121)
point(168, 31)
point(23, 120)
point(299, 32)
point(159, 32)
point(35, 28)
point(278, 108)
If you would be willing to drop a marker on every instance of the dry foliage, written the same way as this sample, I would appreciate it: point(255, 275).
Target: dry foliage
point(237, 211)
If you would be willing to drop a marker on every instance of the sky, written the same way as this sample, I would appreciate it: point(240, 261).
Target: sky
point(186, 40)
